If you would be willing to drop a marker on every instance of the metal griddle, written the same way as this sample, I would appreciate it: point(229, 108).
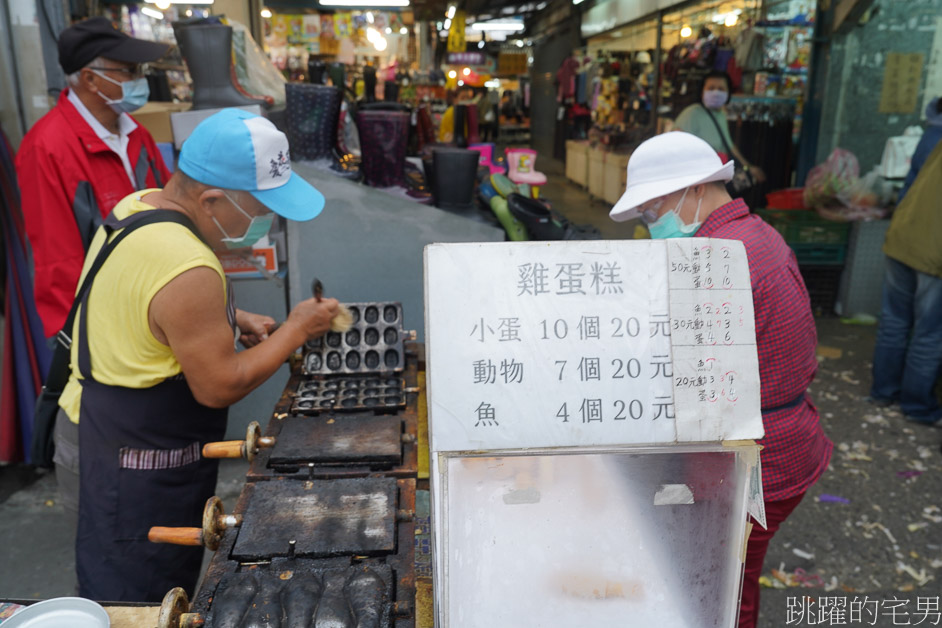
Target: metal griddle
point(349, 516)
point(361, 439)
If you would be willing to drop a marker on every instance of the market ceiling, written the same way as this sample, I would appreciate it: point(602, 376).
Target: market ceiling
point(476, 10)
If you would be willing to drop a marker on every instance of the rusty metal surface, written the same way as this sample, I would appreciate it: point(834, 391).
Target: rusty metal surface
point(324, 518)
point(346, 439)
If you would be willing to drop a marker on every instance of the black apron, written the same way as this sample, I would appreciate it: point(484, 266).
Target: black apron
point(140, 466)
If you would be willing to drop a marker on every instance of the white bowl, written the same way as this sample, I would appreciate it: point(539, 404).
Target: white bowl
point(61, 612)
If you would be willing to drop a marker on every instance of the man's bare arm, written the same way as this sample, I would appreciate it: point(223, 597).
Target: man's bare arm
point(189, 315)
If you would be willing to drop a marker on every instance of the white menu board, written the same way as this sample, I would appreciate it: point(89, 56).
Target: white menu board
point(590, 343)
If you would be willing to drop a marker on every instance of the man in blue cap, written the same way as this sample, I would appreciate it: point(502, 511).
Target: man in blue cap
point(154, 365)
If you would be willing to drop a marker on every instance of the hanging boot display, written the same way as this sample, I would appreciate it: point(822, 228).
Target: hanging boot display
point(313, 114)
point(207, 49)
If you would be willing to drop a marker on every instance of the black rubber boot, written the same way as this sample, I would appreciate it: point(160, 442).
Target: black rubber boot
point(313, 114)
point(338, 74)
point(316, 69)
point(455, 171)
point(369, 84)
point(536, 217)
point(461, 120)
point(207, 49)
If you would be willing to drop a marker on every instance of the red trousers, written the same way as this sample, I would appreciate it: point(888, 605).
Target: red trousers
point(775, 514)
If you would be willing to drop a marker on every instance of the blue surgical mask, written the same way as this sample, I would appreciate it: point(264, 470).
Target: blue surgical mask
point(134, 94)
point(259, 226)
point(715, 98)
point(671, 226)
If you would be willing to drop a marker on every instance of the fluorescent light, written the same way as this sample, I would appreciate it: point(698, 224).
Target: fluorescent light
point(265, 13)
point(481, 44)
point(577, 1)
point(447, 24)
point(731, 19)
point(403, 31)
point(466, 71)
point(686, 31)
point(452, 74)
point(380, 44)
point(369, 17)
point(364, 3)
point(157, 15)
point(163, 5)
point(510, 26)
point(460, 83)
point(388, 31)
point(519, 43)
point(451, 12)
point(158, 2)
point(372, 35)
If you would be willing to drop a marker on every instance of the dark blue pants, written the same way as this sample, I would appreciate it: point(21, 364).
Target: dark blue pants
point(908, 354)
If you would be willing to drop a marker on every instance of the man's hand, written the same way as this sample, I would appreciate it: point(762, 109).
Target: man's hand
point(757, 173)
point(253, 328)
point(312, 317)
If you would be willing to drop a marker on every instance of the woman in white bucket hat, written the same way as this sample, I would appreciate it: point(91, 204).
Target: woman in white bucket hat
point(676, 185)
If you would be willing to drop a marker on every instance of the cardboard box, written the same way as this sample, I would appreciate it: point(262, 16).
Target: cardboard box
point(155, 117)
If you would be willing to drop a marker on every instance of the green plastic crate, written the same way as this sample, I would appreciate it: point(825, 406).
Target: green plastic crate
point(806, 227)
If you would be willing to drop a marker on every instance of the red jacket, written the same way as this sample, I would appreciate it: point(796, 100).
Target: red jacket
point(69, 181)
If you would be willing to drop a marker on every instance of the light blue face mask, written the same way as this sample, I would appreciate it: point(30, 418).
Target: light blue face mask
point(134, 94)
point(259, 226)
point(671, 226)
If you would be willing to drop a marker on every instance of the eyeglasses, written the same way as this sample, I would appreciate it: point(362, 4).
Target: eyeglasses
point(135, 73)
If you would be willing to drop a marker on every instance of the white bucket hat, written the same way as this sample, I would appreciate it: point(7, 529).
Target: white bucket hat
point(668, 163)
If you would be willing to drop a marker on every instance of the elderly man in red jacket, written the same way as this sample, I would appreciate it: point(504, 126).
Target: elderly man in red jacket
point(73, 167)
point(84, 156)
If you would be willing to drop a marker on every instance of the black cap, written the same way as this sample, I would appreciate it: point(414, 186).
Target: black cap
point(82, 42)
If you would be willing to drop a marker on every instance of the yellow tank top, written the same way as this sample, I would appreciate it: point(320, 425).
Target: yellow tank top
point(123, 350)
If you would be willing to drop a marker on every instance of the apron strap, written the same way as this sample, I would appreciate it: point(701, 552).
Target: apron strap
point(126, 226)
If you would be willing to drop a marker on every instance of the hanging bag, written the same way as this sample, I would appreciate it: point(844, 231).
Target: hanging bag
point(742, 178)
point(47, 405)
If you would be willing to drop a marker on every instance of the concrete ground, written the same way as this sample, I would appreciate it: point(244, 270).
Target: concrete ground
point(867, 537)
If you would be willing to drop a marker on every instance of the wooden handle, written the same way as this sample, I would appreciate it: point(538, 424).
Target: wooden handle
point(224, 449)
point(176, 536)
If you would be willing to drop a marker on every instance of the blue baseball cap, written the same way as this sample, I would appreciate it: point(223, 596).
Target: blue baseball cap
point(238, 150)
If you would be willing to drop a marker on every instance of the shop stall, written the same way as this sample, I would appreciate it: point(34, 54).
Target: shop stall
point(635, 77)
